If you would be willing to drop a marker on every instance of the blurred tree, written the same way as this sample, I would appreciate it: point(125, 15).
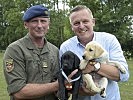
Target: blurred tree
point(113, 16)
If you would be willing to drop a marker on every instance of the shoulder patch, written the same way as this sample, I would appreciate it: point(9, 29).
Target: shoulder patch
point(9, 65)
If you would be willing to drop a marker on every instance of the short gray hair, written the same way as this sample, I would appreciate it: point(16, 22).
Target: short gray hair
point(80, 7)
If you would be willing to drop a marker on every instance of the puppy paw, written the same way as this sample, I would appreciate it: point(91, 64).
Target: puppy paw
point(103, 93)
point(123, 70)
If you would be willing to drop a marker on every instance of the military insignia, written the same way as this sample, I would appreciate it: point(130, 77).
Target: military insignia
point(46, 12)
point(9, 65)
point(68, 86)
point(45, 64)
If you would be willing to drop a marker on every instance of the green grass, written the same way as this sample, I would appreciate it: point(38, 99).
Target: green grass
point(126, 88)
point(3, 89)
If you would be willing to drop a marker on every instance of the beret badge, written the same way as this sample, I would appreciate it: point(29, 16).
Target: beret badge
point(46, 12)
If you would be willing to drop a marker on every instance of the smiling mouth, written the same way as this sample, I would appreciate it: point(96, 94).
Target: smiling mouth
point(83, 31)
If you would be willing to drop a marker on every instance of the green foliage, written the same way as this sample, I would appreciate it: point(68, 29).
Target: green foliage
point(56, 31)
point(113, 16)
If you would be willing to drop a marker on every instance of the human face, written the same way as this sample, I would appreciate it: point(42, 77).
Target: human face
point(37, 27)
point(82, 24)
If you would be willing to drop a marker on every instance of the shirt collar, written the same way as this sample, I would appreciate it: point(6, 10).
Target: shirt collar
point(78, 43)
point(30, 45)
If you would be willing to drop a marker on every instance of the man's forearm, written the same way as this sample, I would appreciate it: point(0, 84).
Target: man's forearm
point(110, 72)
point(36, 90)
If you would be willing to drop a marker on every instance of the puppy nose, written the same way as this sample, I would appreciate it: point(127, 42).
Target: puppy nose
point(83, 56)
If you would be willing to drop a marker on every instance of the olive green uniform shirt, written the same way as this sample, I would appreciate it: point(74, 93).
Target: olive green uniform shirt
point(24, 63)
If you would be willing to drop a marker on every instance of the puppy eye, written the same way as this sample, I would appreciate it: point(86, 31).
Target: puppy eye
point(90, 50)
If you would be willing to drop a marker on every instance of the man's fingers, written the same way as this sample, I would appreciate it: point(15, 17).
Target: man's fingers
point(73, 73)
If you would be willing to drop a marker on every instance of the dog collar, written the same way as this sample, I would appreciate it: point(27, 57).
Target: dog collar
point(70, 81)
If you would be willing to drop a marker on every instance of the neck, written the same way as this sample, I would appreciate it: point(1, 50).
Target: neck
point(39, 42)
point(85, 40)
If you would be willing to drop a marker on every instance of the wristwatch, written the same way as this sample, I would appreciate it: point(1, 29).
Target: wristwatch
point(97, 67)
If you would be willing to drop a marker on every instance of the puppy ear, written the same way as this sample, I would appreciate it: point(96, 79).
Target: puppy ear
point(61, 61)
point(99, 51)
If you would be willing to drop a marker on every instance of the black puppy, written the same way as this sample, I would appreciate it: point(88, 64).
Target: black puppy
point(69, 62)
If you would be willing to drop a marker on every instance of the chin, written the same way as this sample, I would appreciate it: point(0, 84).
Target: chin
point(39, 36)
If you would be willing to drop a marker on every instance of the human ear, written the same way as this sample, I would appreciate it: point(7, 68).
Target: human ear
point(93, 21)
point(25, 25)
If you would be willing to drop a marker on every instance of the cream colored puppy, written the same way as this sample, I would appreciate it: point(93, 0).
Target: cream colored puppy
point(94, 53)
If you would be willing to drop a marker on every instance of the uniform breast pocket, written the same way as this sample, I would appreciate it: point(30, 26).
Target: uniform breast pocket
point(32, 65)
point(33, 70)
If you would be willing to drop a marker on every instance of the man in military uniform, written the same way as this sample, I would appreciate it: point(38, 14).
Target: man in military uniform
point(31, 63)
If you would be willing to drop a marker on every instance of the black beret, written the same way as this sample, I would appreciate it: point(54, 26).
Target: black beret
point(36, 11)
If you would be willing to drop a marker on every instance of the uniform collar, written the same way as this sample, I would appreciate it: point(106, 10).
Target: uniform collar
point(31, 46)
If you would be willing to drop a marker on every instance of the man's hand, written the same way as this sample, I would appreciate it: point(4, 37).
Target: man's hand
point(88, 69)
point(86, 92)
point(83, 90)
point(72, 74)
